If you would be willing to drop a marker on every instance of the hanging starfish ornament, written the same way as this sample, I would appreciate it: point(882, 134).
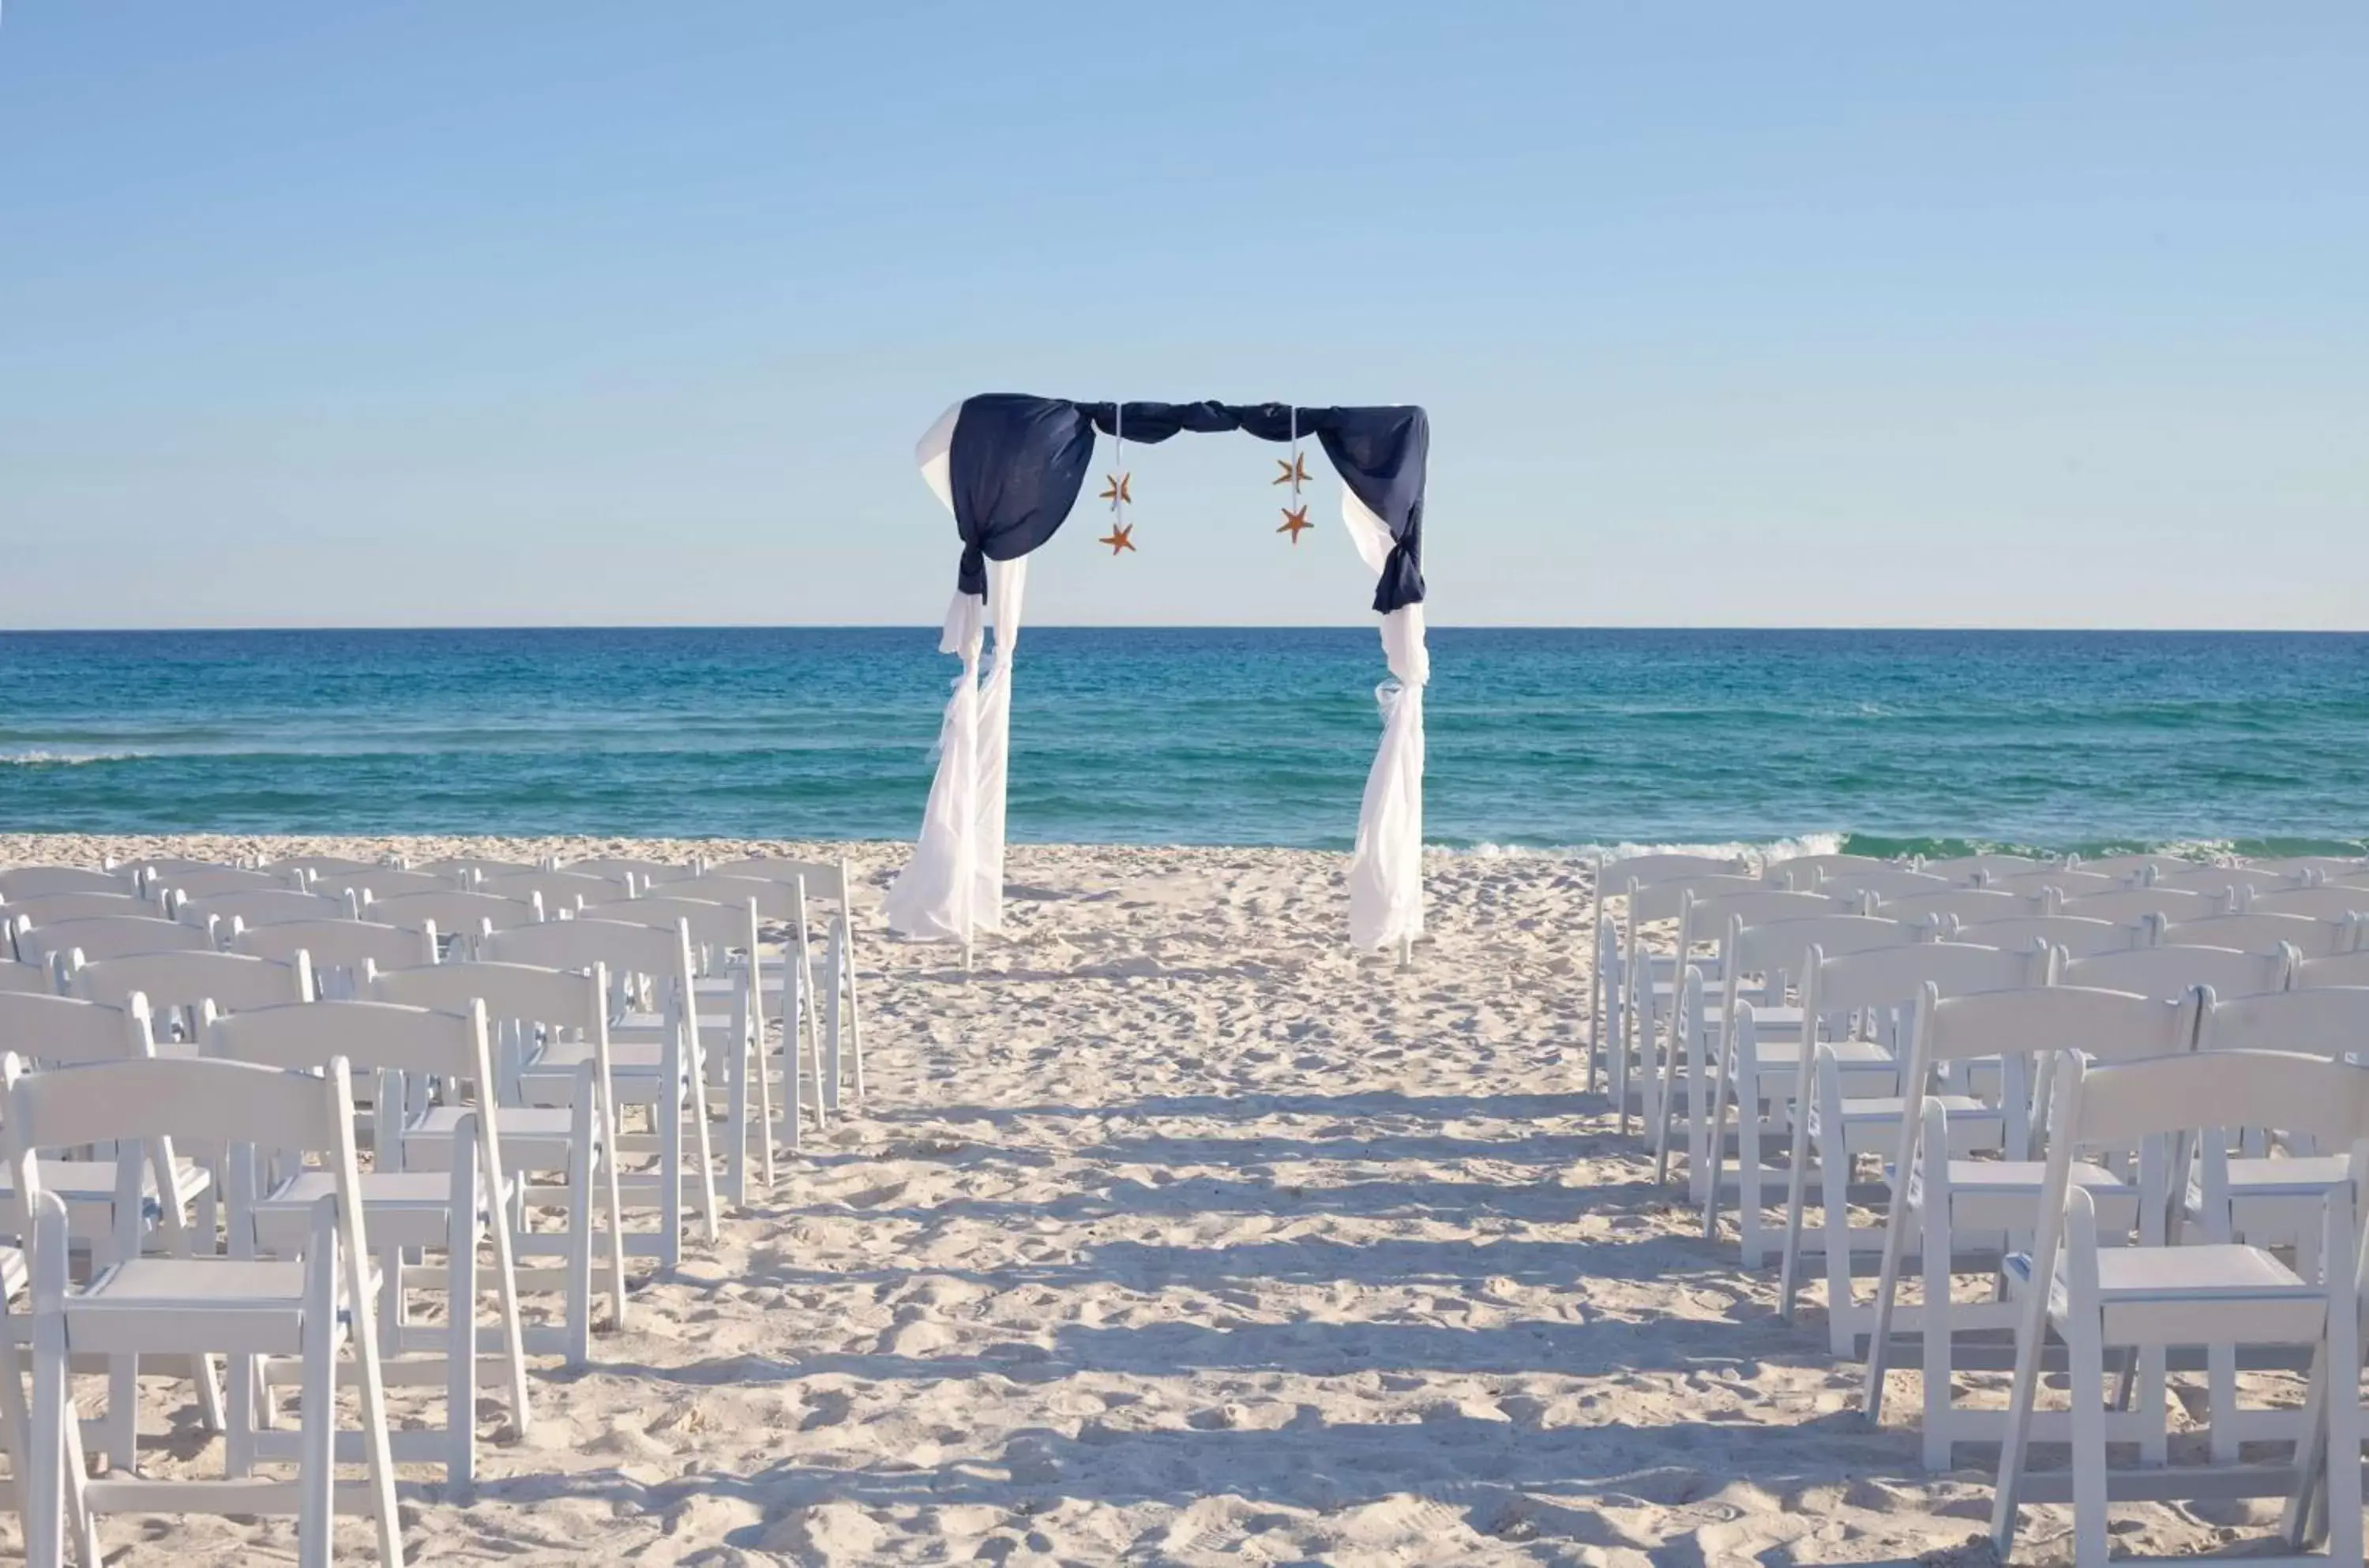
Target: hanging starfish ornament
point(1295, 473)
point(1120, 537)
point(1117, 494)
point(1295, 521)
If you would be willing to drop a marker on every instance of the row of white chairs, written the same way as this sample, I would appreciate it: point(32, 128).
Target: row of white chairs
point(1812, 1030)
point(822, 1013)
point(497, 1069)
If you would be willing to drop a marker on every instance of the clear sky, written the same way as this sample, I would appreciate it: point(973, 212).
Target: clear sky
point(398, 314)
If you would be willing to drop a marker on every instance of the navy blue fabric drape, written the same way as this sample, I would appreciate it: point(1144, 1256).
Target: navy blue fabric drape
point(1017, 464)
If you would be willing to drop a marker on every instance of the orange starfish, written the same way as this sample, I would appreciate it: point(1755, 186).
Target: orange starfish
point(1295, 473)
point(1295, 520)
point(1117, 494)
point(1119, 537)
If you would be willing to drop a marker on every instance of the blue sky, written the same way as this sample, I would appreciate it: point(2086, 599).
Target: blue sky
point(381, 314)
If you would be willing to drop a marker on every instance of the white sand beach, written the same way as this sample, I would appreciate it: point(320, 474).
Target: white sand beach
point(1177, 1234)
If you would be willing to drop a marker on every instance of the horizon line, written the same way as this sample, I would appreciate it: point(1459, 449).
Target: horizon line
point(931, 628)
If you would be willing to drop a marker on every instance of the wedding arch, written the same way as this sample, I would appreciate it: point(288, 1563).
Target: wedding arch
point(1009, 467)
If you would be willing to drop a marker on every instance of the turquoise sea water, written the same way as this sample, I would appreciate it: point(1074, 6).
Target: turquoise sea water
point(1890, 740)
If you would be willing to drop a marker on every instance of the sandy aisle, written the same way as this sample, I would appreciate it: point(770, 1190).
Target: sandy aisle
point(1176, 1235)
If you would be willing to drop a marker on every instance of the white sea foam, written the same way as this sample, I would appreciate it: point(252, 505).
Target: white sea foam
point(39, 759)
point(1763, 852)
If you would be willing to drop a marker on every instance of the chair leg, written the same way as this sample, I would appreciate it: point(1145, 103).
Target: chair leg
point(316, 1468)
point(613, 1198)
point(124, 1413)
point(2087, 1365)
point(700, 1135)
point(831, 1042)
point(734, 1062)
point(854, 1010)
point(461, 1335)
point(580, 1254)
point(1935, 1343)
point(755, 1056)
point(238, 1426)
point(669, 1114)
point(513, 1321)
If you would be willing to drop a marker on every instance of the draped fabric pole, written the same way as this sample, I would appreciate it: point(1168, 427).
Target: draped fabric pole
point(1009, 467)
point(954, 886)
point(1386, 867)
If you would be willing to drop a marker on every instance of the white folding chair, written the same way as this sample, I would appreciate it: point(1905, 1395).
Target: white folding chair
point(218, 912)
point(788, 983)
point(462, 919)
point(467, 870)
point(2256, 930)
point(666, 1076)
point(112, 1204)
point(1966, 906)
point(559, 892)
point(1805, 873)
point(2169, 974)
point(2128, 868)
point(1965, 1214)
point(1652, 982)
point(1755, 1076)
point(732, 1041)
point(574, 1140)
point(2269, 1195)
point(2325, 901)
point(2071, 934)
point(1972, 870)
point(46, 908)
point(1606, 1013)
point(339, 949)
point(312, 1307)
point(2309, 868)
point(187, 883)
point(183, 985)
point(1849, 1103)
point(644, 873)
point(33, 881)
point(308, 866)
point(2231, 886)
point(2147, 1297)
point(360, 883)
point(2058, 885)
point(833, 882)
point(1698, 1025)
point(1885, 882)
point(2131, 905)
point(108, 937)
point(458, 1210)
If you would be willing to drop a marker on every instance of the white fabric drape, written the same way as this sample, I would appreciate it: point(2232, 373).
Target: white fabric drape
point(954, 885)
point(1386, 867)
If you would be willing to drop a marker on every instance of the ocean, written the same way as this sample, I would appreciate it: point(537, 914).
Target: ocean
point(1883, 742)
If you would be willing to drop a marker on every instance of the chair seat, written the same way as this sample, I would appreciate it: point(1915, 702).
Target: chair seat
point(1783, 1058)
point(2311, 1176)
point(1872, 1125)
point(2218, 1292)
point(566, 1056)
point(2219, 1268)
point(2004, 1195)
point(93, 1181)
point(536, 1137)
point(632, 1024)
point(400, 1208)
point(220, 1304)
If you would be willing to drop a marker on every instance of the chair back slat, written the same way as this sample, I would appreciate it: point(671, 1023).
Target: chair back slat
point(2169, 974)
